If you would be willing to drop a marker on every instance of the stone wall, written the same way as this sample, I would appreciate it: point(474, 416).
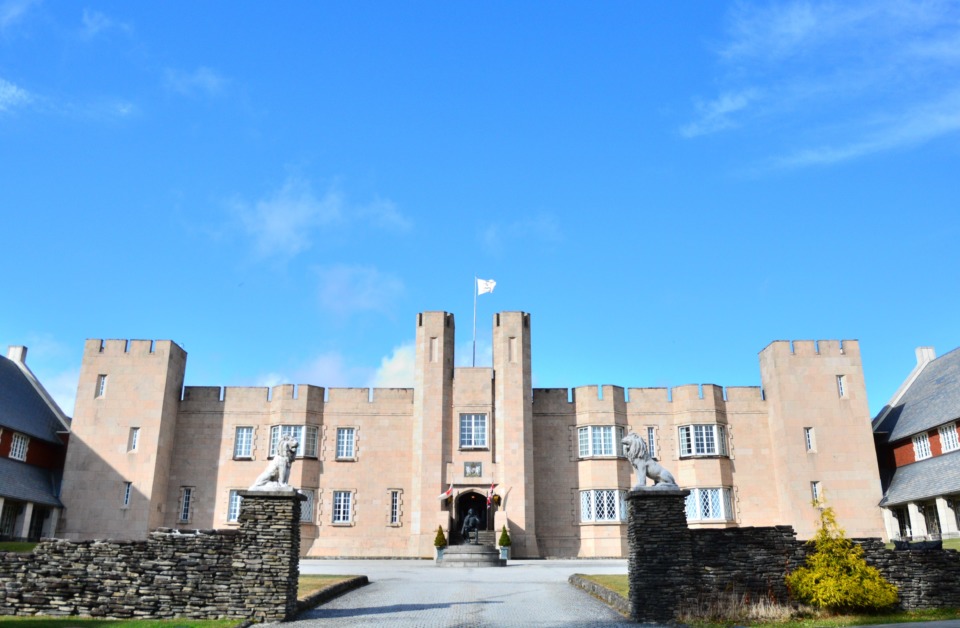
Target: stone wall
point(672, 566)
point(249, 573)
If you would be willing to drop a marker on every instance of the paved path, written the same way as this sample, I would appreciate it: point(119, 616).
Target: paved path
point(418, 593)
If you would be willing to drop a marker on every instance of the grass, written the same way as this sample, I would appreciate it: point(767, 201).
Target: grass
point(951, 544)
point(17, 546)
point(307, 585)
point(809, 619)
point(310, 584)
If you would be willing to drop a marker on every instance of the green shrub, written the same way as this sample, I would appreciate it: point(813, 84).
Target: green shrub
point(440, 540)
point(505, 538)
point(836, 577)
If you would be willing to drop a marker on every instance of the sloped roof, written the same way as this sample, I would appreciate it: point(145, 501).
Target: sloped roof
point(22, 409)
point(932, 400)
point(25, 482)
point(928, 478)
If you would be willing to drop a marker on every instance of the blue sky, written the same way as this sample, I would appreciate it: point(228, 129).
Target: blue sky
point(665, 187)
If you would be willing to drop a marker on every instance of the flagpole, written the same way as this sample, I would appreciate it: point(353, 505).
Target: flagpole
point(474, 320)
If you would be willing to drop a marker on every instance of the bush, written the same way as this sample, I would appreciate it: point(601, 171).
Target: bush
point(440, 540)
point(836, 577)
point(505, 538)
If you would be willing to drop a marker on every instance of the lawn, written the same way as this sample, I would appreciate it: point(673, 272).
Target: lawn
point(17, 546)
point(312, 583)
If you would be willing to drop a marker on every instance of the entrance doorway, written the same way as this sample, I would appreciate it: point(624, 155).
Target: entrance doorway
point(467, 501)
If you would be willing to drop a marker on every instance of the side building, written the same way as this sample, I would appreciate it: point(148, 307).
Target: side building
point(33, 438)
point(384, 468)
point(918, 449)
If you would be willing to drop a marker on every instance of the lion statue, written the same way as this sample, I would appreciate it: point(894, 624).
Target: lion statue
point(636, 451)
point(277, 473)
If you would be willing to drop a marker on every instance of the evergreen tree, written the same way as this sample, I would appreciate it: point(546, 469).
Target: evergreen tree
point(836, 577)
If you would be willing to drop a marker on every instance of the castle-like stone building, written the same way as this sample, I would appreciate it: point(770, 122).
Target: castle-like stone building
point(384, 468)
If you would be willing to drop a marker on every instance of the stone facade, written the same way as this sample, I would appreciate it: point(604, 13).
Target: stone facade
point(248, 573)
point(375, 461)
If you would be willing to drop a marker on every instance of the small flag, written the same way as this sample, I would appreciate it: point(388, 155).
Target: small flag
point(447, 493)
point(490, 495)
point(485, 285)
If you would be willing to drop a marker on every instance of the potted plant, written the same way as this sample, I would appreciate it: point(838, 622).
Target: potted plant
point(440, 542)
point(504, 544)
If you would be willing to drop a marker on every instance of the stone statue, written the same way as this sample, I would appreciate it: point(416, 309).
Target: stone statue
point(277, 474)
point(636, 451)
point(471, 523)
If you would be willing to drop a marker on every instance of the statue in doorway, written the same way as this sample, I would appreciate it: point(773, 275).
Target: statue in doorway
point(471, 523)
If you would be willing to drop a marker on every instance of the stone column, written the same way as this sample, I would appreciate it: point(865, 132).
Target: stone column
point(918, 525)
point(24, 530)
point(948, 520)
point(660, 566)
point(266, 560)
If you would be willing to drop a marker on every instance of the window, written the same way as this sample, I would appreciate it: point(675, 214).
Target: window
point(809, 438)
point(186, 500)
point(134, 440)
point(243, 442)
point(703, 440)
point(345, 442)
point(341, 506)
point(307, 447)
point(599, 440)
point(233, 506)
point(101, 386)
point(948, 438)
point(603, 505)
point(841, 385)
point(903, 522)
point(18, 448)
point(306, 508)
point(127, 490)
point(709, 504)
point(394, 508)
point(652, 441)
point(921, 446)
point(815, 492)
point(473, 431)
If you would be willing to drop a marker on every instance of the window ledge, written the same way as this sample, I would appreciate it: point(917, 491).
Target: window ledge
point(603, 523)
point(703, 456)
point(342, 524)
point(346, 459)
point(481, 448)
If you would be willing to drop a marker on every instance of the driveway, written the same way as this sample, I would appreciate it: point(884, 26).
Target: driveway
point(418, 593)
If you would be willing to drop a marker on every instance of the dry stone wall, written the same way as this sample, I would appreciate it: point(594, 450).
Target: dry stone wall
point(248, 573)
point(672, 567)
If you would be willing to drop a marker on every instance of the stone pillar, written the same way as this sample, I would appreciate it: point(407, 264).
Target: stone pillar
point(660, 566)
point(267, 556)
point(918, 525)
point(948, 520)
point(24, 530)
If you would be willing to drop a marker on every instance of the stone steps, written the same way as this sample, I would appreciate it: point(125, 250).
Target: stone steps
point(471, 556)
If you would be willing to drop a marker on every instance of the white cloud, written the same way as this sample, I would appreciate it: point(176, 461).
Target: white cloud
point(715, 115)
point(284, 224)
point(12, 96)
point(12, 11)
point(281, 225)
point(202, 81)
point(398, 369)
point(829, 70)
point(345, 289)
point(542, 228)
point(329, 370)
point(908, 129)
point(62, 386)
point(93, 23)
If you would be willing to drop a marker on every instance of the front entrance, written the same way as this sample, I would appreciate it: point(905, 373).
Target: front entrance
point(465, 502)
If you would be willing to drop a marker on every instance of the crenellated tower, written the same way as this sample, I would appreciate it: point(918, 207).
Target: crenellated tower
point(514, 442)
point(124, 427)
point(432, 439)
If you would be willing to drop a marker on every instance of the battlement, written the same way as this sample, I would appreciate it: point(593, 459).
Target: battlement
point(615, 398)
point(810, 348)
point(305, 394)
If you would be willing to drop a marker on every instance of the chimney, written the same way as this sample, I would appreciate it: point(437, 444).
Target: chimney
point(924, 355)
point(17, 353)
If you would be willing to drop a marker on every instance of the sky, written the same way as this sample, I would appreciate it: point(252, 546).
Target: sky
point(665, 187)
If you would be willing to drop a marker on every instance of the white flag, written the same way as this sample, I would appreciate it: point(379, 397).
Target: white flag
point(485, 285)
